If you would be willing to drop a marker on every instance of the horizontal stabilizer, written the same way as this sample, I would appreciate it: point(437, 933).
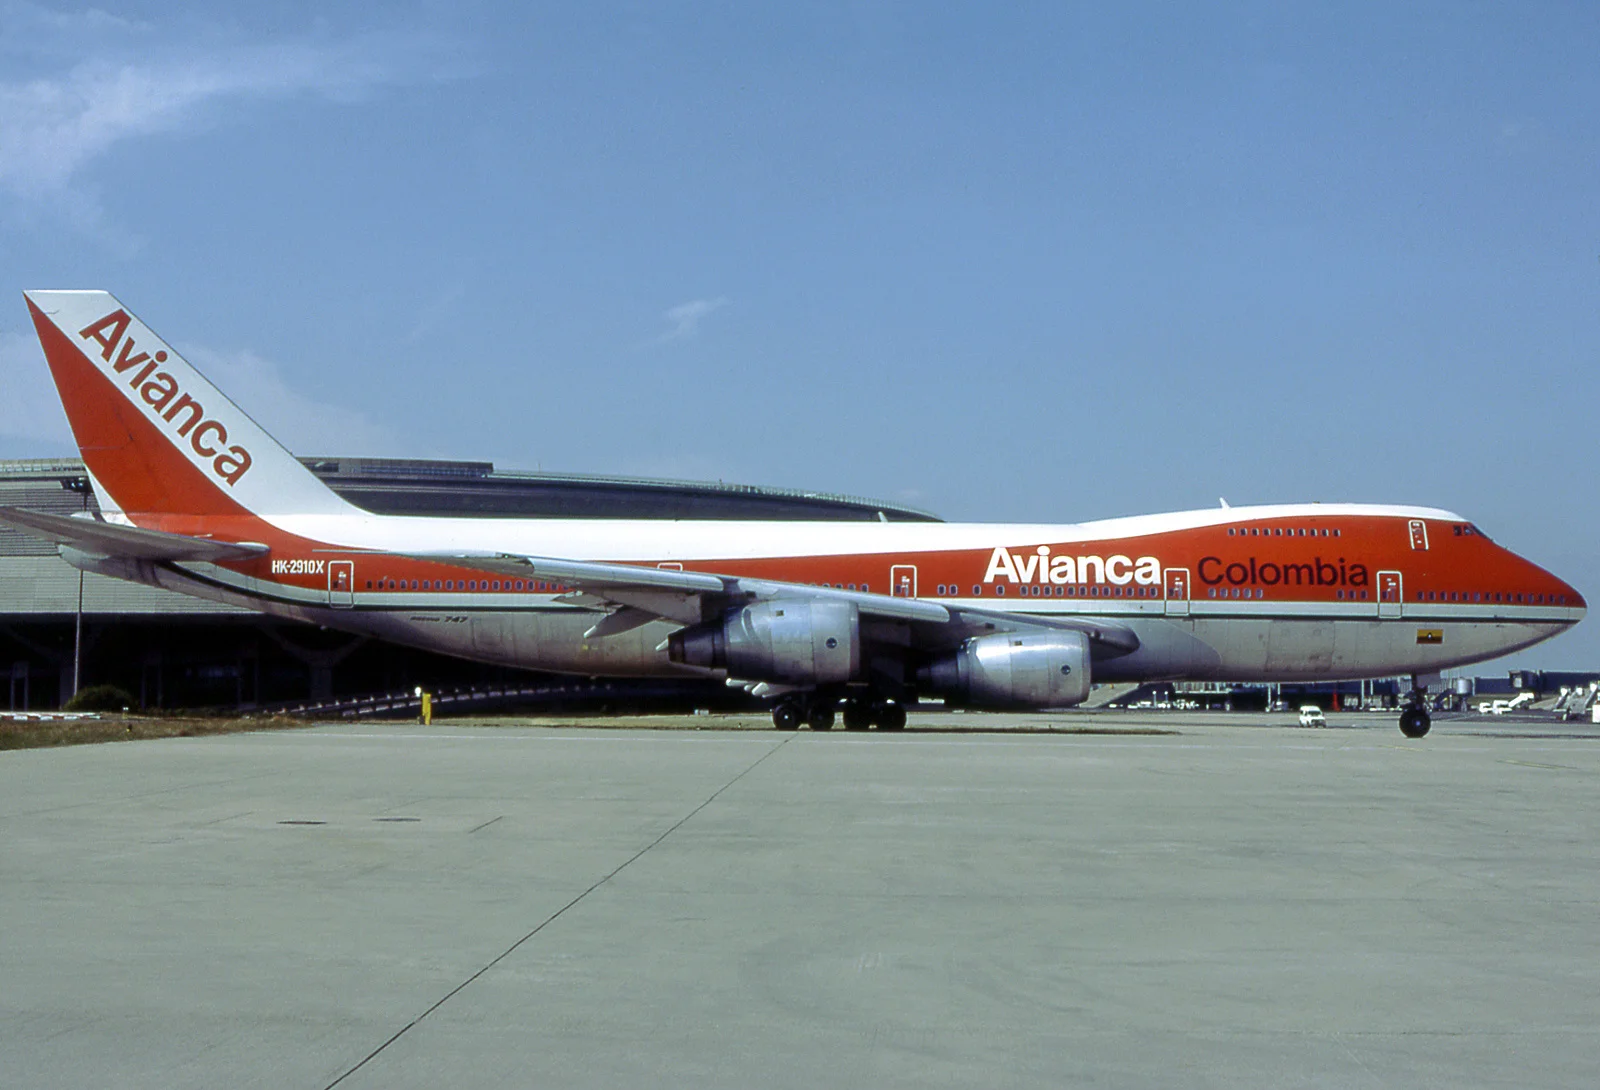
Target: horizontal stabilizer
point(111, 539)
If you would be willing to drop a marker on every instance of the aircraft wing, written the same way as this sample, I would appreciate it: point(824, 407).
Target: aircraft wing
point(90, 535)
point(645, 594)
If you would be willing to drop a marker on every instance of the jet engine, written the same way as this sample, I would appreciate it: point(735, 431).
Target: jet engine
point(1009, 669)
point(807, 641)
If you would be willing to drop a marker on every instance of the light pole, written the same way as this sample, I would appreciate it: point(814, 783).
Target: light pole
point(80, 485)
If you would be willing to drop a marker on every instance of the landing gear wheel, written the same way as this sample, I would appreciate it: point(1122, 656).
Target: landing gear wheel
point(889, 716)
point(1414, 722)
point(820, 717)
point(857, 715)
point(786, 716)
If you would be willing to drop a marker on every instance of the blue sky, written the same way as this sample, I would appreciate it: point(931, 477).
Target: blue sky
point(1053, 262)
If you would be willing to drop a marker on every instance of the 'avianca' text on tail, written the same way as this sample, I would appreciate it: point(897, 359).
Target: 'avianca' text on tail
point(197, 498)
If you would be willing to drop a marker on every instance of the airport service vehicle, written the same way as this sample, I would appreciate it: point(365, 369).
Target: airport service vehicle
point(1311, 716)
point(820, 617)
point(1500, 707)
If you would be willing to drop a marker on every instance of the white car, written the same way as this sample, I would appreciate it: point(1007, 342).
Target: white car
point(1311, 716)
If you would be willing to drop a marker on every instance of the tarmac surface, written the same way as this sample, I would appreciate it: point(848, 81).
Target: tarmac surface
point(1239, 904)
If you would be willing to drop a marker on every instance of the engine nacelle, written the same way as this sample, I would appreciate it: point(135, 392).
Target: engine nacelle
point(804, 641)
point(1008, 669)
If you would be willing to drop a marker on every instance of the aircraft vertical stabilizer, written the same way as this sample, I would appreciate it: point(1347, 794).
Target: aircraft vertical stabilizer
point(158, 438)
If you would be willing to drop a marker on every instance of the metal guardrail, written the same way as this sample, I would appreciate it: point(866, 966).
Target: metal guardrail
point(463, 698)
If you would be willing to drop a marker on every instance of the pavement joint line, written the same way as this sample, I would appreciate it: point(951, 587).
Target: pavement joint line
point(486, 824)
point(553, 917)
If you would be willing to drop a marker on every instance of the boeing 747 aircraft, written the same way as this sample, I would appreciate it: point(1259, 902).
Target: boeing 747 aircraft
point(197, 498)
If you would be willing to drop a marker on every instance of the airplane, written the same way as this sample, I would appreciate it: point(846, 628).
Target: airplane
point(820, 617)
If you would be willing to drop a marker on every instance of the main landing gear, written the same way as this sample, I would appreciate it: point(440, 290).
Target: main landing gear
point(817, 712)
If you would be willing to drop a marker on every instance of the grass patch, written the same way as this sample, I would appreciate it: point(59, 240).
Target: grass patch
point(39, 734)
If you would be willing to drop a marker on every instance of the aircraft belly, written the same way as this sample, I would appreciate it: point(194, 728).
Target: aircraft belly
point(1170, 648)
point(553, 640)
point(1320, 649)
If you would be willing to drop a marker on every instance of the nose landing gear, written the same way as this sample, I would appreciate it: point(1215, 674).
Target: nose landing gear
point(1414, 719)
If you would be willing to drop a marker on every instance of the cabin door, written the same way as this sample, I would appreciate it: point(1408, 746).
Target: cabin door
point(1177, 592)
point(1390, 595)
point(341, 583)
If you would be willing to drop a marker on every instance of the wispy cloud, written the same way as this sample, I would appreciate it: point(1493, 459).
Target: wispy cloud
point(31, 410)
point(685, 318)
point(303, 425)
point(435, 313)
point(32, 19)
point(53, 126)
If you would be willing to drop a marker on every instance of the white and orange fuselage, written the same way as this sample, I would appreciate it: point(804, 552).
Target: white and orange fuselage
point(1261, 594)
point(1294, 592)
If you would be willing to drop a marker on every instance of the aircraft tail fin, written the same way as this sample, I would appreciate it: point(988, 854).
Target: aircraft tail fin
point(157, 438)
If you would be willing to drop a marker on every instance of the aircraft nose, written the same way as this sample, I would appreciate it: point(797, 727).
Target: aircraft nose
point(1575, 600)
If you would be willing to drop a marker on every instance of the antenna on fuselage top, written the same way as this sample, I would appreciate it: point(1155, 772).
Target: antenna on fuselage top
point(1223, 502)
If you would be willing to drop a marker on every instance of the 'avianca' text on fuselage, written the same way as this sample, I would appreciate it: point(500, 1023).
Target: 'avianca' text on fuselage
point(1039, 566)
point(1213, 570)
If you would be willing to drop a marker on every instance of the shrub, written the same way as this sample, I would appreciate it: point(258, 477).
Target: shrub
point(101, 698)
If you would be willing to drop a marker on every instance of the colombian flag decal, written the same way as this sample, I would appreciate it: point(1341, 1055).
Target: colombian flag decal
point(1430, 635)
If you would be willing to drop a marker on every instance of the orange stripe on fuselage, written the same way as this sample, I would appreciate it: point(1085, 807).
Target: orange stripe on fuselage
point(1283, 568)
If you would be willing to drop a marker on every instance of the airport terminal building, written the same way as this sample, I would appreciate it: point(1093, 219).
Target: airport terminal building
point(174, 651)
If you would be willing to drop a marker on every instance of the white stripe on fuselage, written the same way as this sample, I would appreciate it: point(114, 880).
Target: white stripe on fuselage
point(710, 541)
